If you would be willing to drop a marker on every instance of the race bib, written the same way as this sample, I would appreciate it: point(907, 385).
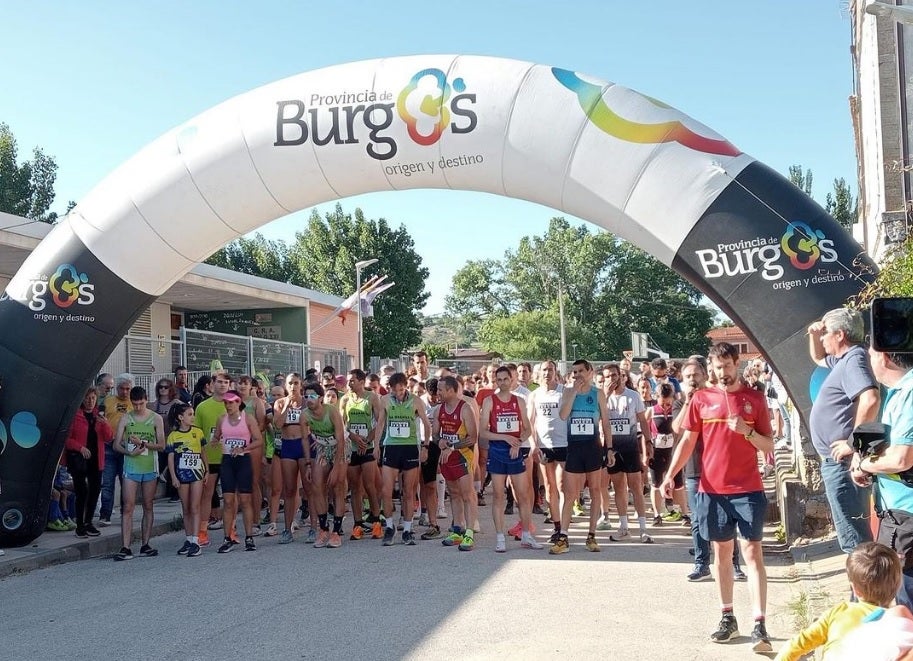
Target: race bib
point(582, 427)
point(293, 417)
point(131, 447)
point(621, 427)
point(359, 428)
point(230, 444)
point(399, 429)
point(190, 461)
point(664, 441)
point(325, 440)
point(277, 443)
point(548, 409)
point(450, 439)
point(507, 423)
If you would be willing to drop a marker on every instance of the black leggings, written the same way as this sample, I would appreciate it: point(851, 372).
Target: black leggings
point(87, 486)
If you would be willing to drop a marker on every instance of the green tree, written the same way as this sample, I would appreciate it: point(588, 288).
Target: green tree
point(535, 334)
point(841, 204)
point(478, 291)
point(258, 256)
point(801, 178)
point(26, 189)
point(435, 351)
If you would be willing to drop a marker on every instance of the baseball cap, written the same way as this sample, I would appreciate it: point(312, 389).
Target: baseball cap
point(232, 396)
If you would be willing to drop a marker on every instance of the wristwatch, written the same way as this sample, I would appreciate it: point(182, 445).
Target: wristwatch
point(749, 434)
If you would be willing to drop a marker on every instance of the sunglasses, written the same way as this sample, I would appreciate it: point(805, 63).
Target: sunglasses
point(161, 386)
point(313, 396)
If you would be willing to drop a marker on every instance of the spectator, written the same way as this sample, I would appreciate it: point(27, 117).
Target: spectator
point(201, 391)
point(85, 453)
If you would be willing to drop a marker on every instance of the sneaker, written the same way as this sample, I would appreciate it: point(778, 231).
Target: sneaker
point(699, 573)
point(673, 516)
point(408, 538)
point(203, 538)
point(185, 547)
point(214, 524)
point(480, 500)
point(357, 533)
point(194, 551)
point(124, 554)
point(501, 546)
point(516, 531)
point(509, 509)
point(657, 521)
point(104, 521)
point(560, 546)
point(377, 530)
point(323, 538)
point(335, 540)
point(738, 574)
point(554, 537)
point(147, 551)
point(311, 537)
point(620, 535)
point(389, 533)
point(442, 514)
point(286, 537)
point(249, 544)
point(645, 538)
point(424, 520)
point(227, 546)
point(57, 526)
point(81, 533)
point(591, 544)
point(264, 519)
point(548, 520)
point(604, 524)
point(70, 524)
point(432, 533)
point(296, 526)
point(92, 531)
point(686, 520)
point(453, 538)
point(256, 532)
point(578, 509)
point(529, 542)
point(727, 630)
point(760, 641)
point(468, 543)
point(271, 530)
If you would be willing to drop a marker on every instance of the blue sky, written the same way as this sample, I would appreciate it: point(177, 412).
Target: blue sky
point(93, 82)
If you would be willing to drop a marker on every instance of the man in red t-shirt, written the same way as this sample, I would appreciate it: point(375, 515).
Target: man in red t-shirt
point(734, 423)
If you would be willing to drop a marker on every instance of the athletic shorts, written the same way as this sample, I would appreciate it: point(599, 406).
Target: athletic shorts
point(141, 477)
point(429, 467)
point(401, 457)
point(627, 459)
point(500, 462)
point(583, 457)
point(292, 448)
point(237, 474)
point(215, 469)
point(458, 464)
point(187, 476)
point(659, 466)
point(553, 455)
point(718, 515)
point(359, 459)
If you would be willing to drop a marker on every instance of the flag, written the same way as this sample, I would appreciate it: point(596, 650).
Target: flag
point(369, 291)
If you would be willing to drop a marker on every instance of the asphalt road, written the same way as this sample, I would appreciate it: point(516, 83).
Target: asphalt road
point(630, 601)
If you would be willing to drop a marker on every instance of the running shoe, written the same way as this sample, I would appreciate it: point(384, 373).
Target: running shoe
point(686, 520)
point(468, 543)
point(70, 524)
point(620, 535)
point(227, 546)
point(57, 526)
point(185, 548)
point(124, 554)
point(738, 574)
point(509, 509)
point(516, 531)
point(548, 520)
point(296, 526)
point(760, 641)
point(673, 516)
point(203, 538)
point(256, 532)
point(453, 539)
point(657, 521)
point(645, 538)
point(357, 532)
point(271, 531)
point(215, 524)
point(554, 537)
point(529, 542)
point(265, 518)
point(433, 532)
point(501, 546)
point(480, 499)
point(92, 531)
point(442, 514)
point(389, 533)
point(335, 540)
point(323, 538)
point(408, 538)
point(311, 537)
point(591, 544)
point(104, 521)
point(286, 537)
point(377, 531)
point(578, 509)
point(560, 546)
point(699, 573)
point(147, 551)
point(249, 544)
point(81, 533)
point(194, 551)
point(424, 520)
point(727, 630)
point(604, 524)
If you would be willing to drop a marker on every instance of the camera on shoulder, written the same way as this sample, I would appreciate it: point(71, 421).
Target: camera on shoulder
point(891, 322)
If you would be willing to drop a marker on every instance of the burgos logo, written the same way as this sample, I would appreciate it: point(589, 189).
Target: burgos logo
point(428, 105)
point(804, 246)
point(67, 286)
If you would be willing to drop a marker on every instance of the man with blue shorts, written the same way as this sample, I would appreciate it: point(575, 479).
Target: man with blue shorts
point(734, 423)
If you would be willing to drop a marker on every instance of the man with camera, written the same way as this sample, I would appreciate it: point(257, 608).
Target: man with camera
point(894, 486)
point(847, 397)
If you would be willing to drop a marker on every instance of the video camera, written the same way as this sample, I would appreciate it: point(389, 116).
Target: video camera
point(871, 439)
point(891, 323)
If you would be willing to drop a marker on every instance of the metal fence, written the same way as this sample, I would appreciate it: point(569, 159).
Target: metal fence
point(150, 358)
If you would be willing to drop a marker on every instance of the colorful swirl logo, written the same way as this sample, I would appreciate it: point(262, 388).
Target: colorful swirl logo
point(589, 96)
point(801, 245)
point(64, 285)
point(433, 92)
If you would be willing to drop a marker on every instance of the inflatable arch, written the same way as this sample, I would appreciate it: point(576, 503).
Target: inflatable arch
point(759, 248)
